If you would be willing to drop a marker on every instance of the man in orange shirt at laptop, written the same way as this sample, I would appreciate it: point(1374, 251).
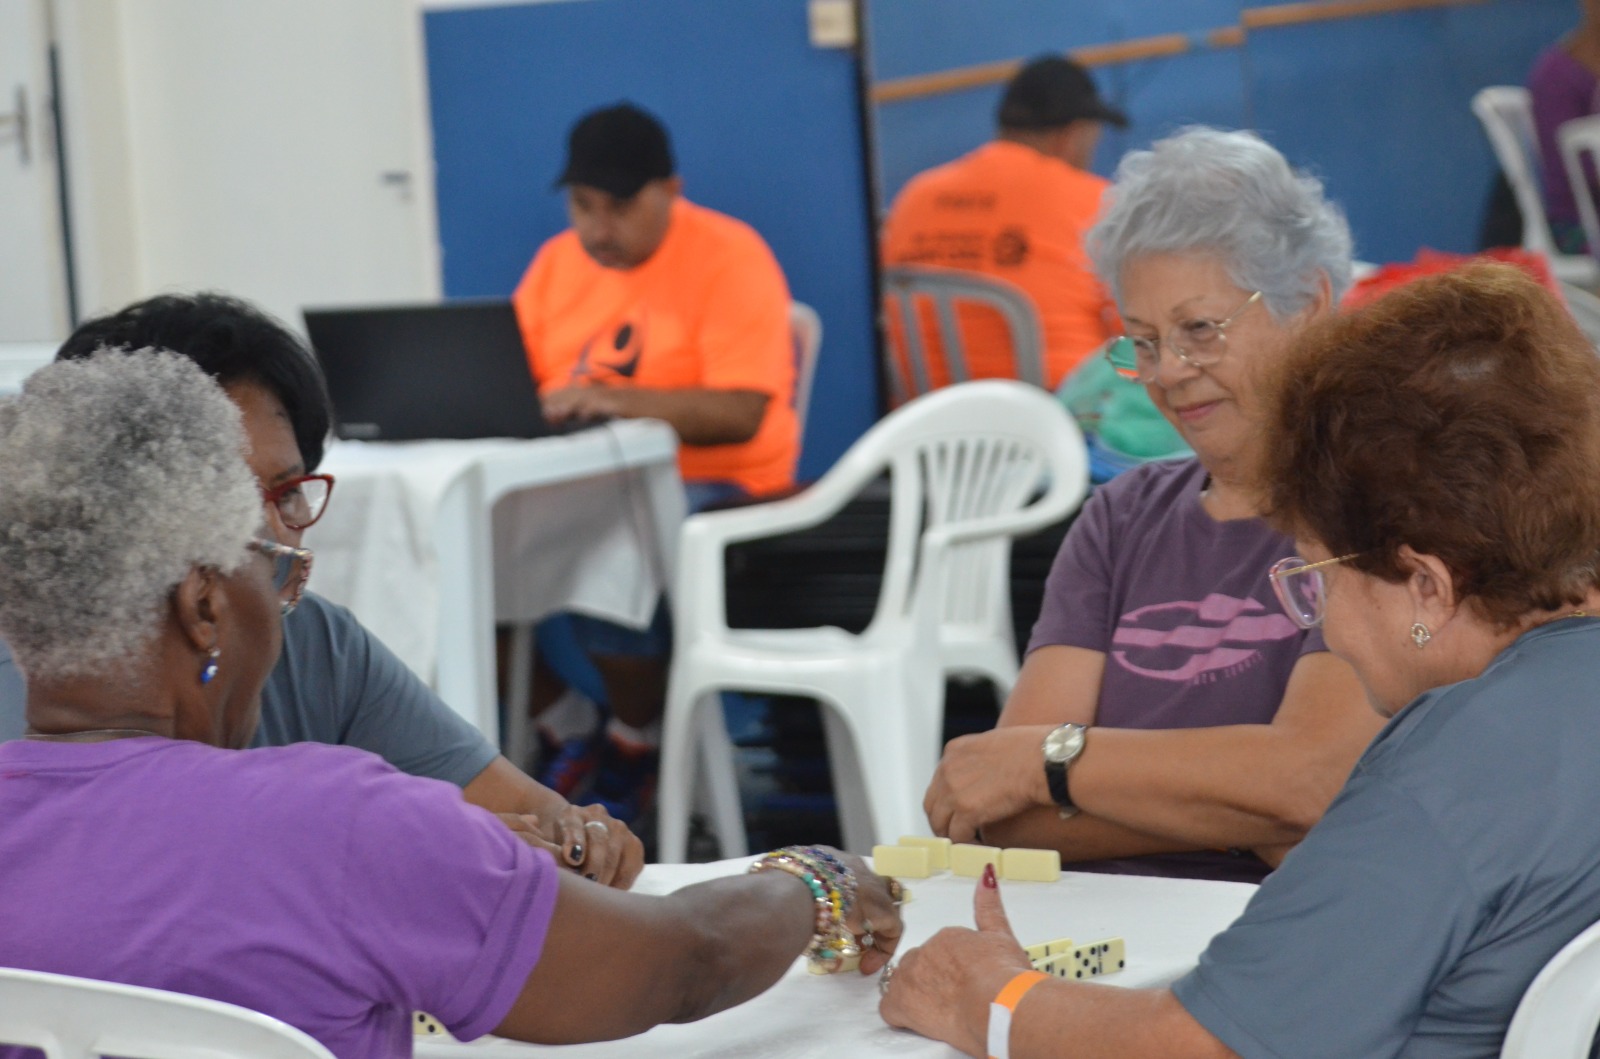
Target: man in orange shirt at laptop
point(650, 306)
point(1016, 209)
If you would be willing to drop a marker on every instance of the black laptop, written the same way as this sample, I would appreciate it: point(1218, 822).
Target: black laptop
point(412, 372)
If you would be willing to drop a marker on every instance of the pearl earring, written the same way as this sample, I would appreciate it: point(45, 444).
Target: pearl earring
point(1420, 635)
point(208, 671)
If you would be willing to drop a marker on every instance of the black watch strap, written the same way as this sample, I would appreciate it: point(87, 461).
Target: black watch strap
point(1055, 774)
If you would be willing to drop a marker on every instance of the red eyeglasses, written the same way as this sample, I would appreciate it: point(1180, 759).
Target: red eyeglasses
point(300, 501)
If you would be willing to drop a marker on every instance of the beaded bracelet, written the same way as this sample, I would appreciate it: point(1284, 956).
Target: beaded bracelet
point(825, 866)
point(832, 887)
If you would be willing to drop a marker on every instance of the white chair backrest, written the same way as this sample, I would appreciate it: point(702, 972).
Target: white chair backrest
point(805, 329)
point(78, 1018)
point(962, 459)
point(1585, 309)
point(1506, 112)
point(1560, 1012)
point(905, 287)
point(1580, 138)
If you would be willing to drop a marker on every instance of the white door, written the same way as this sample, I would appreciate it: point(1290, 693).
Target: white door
point(277, 151)
point(33, 286)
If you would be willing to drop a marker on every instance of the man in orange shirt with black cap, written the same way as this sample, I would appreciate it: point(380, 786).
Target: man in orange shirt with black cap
point(650, 306)
point(1016, 209)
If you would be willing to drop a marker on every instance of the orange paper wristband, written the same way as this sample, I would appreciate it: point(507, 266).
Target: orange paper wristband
point(1000, 1009)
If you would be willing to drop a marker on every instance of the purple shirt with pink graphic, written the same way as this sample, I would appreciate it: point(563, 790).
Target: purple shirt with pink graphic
point(1181, 607)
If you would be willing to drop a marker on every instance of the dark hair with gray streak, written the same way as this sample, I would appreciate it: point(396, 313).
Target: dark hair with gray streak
point(121, 473)
point(1232, 196)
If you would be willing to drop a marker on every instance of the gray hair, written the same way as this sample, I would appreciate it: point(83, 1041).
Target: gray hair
point(121, 472)
point(1233, 196)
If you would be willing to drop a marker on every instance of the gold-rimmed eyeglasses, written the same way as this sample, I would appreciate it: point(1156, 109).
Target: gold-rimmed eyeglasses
point(1199, 343)
point(1301, 587)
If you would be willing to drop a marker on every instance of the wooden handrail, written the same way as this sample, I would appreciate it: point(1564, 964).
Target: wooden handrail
point(1157, 47)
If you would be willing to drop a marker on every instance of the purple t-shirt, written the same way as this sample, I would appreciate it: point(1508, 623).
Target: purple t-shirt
point(315, 884)
point(1181, 607)
point(1562, 88)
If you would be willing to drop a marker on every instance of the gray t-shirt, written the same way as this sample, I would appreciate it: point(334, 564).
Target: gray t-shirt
point(336, 683)
point(13, 696)
point(1460, 857)
point(1181, 607)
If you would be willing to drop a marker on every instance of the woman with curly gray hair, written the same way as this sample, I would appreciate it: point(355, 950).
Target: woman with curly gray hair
point(1168, 720)
point(99, 547)
point(313, 883)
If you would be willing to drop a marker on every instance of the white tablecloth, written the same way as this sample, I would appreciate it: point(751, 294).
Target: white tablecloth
point(431, 542)
point(1166, 923)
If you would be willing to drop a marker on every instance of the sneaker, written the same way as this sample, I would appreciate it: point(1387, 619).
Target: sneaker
point(624, 780)
point(568, 768)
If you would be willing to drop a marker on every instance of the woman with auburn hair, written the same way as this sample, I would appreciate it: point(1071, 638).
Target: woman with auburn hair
point(1434, 457)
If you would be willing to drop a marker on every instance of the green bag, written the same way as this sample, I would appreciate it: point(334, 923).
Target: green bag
point(1118, 415)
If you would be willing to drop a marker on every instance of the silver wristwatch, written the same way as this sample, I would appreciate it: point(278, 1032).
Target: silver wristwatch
point(1061, 748)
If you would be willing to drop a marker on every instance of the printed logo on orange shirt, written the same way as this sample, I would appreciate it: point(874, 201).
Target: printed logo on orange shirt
point(611, 355)
point(1010, 247)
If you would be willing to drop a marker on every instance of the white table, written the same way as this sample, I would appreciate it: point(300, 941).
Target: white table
point(1166, 923)
point(431, 542)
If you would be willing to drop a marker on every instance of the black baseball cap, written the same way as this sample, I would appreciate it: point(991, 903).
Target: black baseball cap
point(617, 149)
point(1051, 91)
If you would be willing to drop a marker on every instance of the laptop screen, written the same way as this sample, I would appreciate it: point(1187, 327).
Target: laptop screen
point(411, 372)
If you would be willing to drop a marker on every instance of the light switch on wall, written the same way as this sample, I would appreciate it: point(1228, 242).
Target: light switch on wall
point(833, 23)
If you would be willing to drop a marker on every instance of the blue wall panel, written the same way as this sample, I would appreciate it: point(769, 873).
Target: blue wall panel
point(1381, 108)
point(1376, 106)
point(912, 37)
point(765, 128)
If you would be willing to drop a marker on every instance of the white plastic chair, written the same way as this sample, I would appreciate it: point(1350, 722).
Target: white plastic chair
point(1506, 112)
point(1560, 1012)
point(905, 287)
point(1578, 138)
point(805, 326)
point(1585, 309)
point(972, 466)
point(79, 1018)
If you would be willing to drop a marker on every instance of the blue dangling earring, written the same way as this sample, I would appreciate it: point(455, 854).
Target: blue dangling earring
point(209, 671)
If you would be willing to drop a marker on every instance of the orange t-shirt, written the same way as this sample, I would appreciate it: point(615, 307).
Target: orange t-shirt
point(1016, 214)
point(709, 309)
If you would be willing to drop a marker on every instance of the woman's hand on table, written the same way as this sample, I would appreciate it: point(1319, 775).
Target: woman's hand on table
point(586, 840)
point(942, 988)
point(986, 777)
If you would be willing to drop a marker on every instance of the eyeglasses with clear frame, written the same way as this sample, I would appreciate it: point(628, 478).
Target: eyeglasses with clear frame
point(300, 501)
point(1204, 342)
point(1301, 587)
point(291, 569)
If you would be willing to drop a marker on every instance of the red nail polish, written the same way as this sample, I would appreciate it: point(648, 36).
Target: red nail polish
point(988, 877)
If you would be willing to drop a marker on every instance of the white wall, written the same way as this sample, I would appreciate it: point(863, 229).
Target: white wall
point(242, 146)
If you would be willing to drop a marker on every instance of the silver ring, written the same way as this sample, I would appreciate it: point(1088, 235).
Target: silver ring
point(596, 823)
point(883, 979)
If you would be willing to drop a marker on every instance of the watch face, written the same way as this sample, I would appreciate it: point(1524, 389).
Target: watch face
point(1064, 743)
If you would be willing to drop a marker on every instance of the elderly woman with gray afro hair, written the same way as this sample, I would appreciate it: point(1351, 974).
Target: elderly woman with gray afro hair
point(313, 883)
point(1168, 718)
